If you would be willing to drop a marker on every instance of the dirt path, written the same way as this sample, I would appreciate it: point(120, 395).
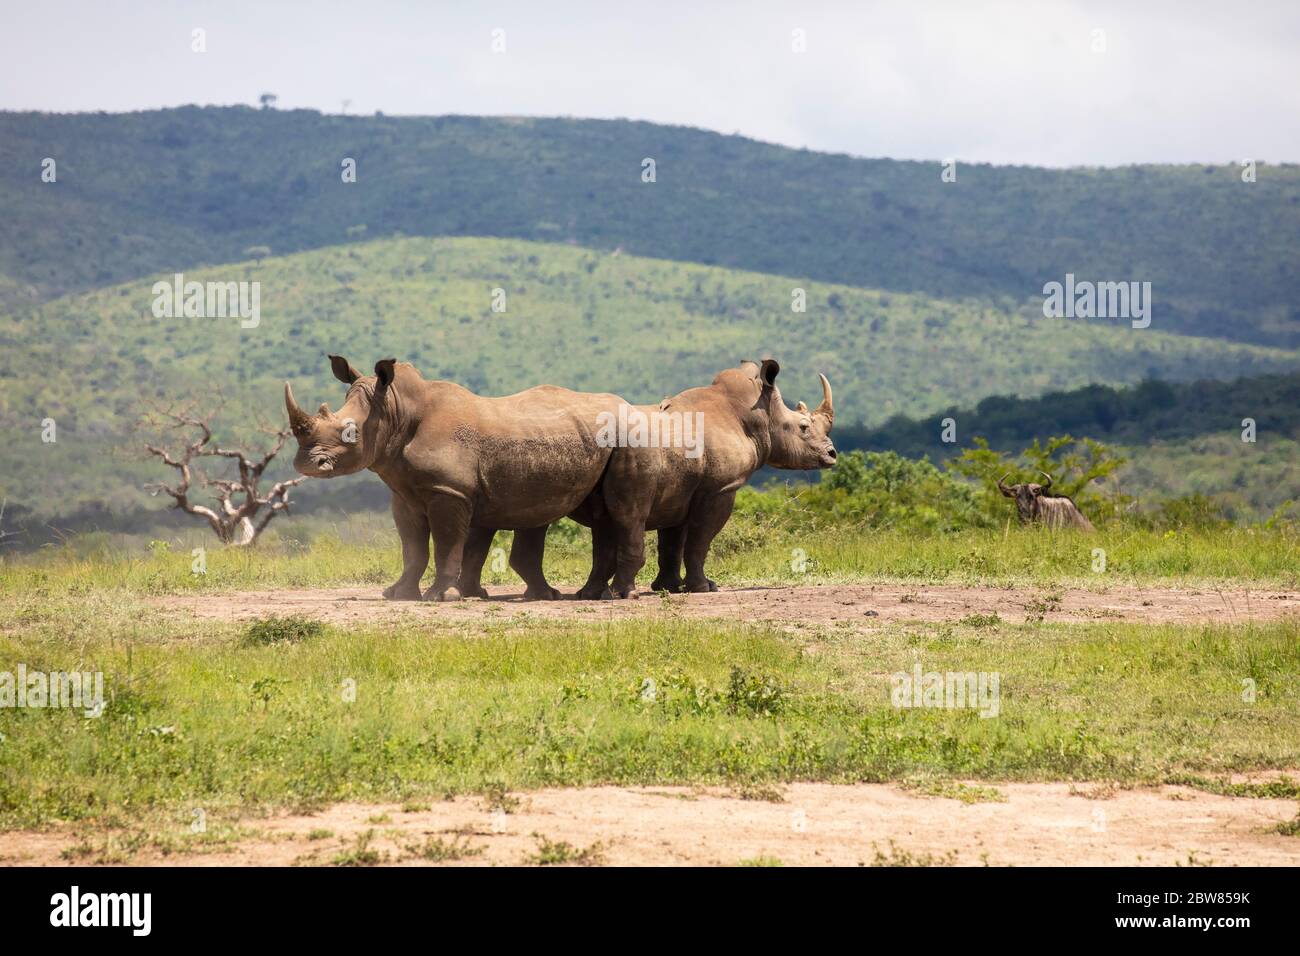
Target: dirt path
point(822, 604)
point(813, 824)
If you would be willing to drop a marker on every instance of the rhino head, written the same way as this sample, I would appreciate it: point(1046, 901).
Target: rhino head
point(797, 438)
point(351, 439)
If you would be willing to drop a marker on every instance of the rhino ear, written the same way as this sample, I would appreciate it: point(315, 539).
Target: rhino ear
point(384, 371)
point(768, 371)
point(343, 370)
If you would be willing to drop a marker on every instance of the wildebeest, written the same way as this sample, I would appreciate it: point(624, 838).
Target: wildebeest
point(459, 465)
point(1034, 505)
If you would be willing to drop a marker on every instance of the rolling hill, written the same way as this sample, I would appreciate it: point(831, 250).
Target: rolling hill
point(641, 327)
point(157, 191)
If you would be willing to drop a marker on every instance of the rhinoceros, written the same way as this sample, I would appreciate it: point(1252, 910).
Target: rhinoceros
point(688, 493)
point(460, 466)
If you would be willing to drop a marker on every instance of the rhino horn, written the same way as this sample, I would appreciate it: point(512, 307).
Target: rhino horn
point(827, 407)
point(297, 417)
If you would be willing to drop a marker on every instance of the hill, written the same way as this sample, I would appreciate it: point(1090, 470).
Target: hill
point(163, 190)
point(641, 327)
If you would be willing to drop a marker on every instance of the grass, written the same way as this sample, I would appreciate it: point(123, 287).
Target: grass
point(748, 551)
point(897, 857)
point(359, 853)
point(199, 717)
point(273, 630)
point(438, 850)
point(956, 790)
point(560, 853)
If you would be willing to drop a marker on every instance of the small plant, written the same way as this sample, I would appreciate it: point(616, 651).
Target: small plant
point(1289, 827)
point(559, 853)
point(755, 694)
point(497, 797)
point(437, 850)
point(1036, 610)
point(264, 689)
point(761, 861)
point(78, 851)
point(278, 630)
point(899, 857)
point(759, 791)
point(319, 834)
point(360, 853)
point(955, 790)
point(980, 620)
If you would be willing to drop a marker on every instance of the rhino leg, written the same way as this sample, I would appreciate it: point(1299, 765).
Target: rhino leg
point(604, 552)
point(449, 521)
point(630, 532)
point(672, 541)
point(477, 547)
point(413, 529)
point(526, 560)
point(706, 520)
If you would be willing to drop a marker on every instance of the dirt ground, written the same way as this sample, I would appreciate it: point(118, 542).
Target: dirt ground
point(823, 604)
point(811, 825)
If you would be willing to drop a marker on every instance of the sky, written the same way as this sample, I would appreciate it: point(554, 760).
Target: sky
point(1030, 83)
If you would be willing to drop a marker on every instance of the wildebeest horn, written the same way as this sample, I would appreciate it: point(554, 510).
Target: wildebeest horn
point(1002, 486)
point(1049, 480)
point(827, 407)
point(296, 415)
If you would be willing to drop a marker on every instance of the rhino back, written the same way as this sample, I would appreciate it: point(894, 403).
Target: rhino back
point(665, 479)
point(524, 460)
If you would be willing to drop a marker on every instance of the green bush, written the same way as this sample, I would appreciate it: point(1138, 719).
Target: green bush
point(277, 630)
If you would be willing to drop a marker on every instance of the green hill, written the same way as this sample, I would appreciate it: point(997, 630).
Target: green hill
point(157, 191)
point(644, 328)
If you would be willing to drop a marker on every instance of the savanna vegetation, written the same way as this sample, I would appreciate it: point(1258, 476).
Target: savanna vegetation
point(235, 717)
point(642, 328)
point(1180, 440)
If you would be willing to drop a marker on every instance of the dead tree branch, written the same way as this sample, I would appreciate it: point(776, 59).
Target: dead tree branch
point(240, 513)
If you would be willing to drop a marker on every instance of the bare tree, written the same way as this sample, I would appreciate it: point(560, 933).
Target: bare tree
point(234, 521)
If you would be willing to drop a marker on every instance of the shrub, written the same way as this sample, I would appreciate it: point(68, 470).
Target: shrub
point(277, 630)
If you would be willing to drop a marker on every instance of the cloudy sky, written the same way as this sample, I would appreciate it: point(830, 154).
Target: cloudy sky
point(1045, 83)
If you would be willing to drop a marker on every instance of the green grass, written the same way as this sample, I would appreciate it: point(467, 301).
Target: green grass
point(559, 853)
point(750, 550)
point(198, 717)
